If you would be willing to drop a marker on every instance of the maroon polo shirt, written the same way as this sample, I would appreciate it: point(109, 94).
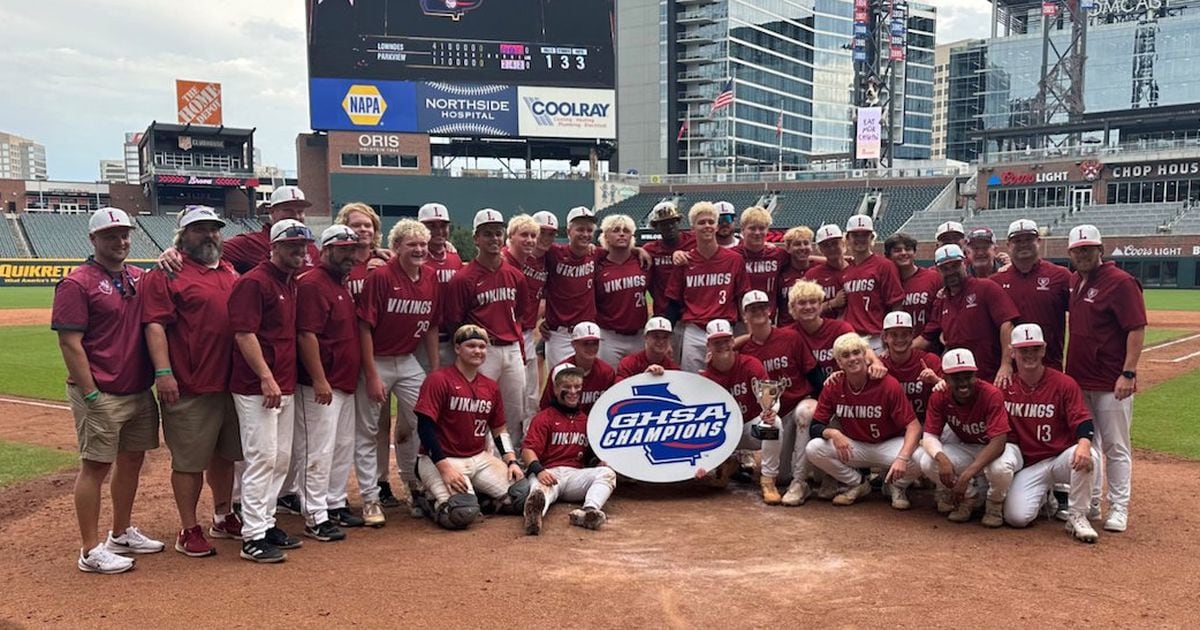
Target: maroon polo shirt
point(107, 309)
point(399, 310)
point(1105, 308)
point(325, 308)
point(1042, 295)
point(264, 303)
point(245, 251)
point(971, 319)
point(193, 308)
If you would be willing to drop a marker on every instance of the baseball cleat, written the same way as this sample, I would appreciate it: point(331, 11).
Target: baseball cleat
point(534, 506)
point(101, 560)
point(1079, 527)
point(281, 539)
point(993, 515)
point(770, 493)
point(343, 517)
point(325, 531)
point(191, 543)
point(797, 493)
point(414, 504)
point(1118, 520)
point(288, 504)
point(945, 503)
point(853, 493)
point(386, 498)
point(1094, 510)
point(964, 510)
point(132, 540)
point(588, 518)
point(373, 514)
point(230, 526)
point(262, 551)
point(829, 488)
point(899, 498)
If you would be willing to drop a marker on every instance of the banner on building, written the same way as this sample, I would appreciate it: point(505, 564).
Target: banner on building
point(868, 133)
point(198, 102)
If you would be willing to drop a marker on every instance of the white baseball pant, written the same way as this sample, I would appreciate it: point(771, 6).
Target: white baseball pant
point(558, 346)
point(695, 347)
point(823, 455)
point(267, 451)
point(1033, 482)
point(314, 446)
point(593, 486)
point(485, 473)
point(533, 380)
point(998, 474)
point(402, 377)
point(786, 458)
point(615, 346)
point(506, 366)
point(1113, 419)
point(445, 355)
point(343, 451)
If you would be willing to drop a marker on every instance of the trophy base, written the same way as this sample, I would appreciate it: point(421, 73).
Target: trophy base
point(762, 432)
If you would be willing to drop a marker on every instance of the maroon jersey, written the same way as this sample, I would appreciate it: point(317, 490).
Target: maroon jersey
point(193, 309)
point(356, 280)
point(534, 269)
point(877, 414)
point(1044, 417)
point(107, 309)
point(662, 267)
point(739, 382)
point(636, 363)
point(570, 294)
point(872, 287)
point(558, 438)
point(325, 308)
point(465, 411)
point(820, 343)
point(788, 277)
point(1043, 297)
point(763, 268)
point(595, 383)
point(977, 422)
point(246, 251)
point(909, 373)
point(972, 320)
point(1104, 310)
point(787, 360)
point(399, 310)
point(621, 295)
point(489, 299)
point(709, 288)
point(263, 302)
point(444, 268)
point(830, 279)
point(920, 292)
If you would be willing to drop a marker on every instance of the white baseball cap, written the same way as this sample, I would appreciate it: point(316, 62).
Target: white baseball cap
point(860, 223)
point(1083, 235)
point(716, 329)
point(564, 367)
point(486, 216)
point(109, 217)
point(584, 331)
point(724, 207)
point(1024, 335)
point(290, 230)
point(664, 211)
point(1022, 226)
point(659, 324)
point(433, 211)
point(546, 220)
point(754, 297)
point(958, 360)
point(897, 319)
point(581, 212)
point(190, 215)
point(827, 232)
point(338, 235)
point(948, 254)
point(288, 195)
point(948, 227)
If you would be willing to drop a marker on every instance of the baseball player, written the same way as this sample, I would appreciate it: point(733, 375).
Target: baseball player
point(598, 375)
point(764, 262)
point(736, 373)
point(445, 262)
point(871, 283)
point(489, 293)
point(1054, 430)
point(262, 313)
point(917, 370)
point(519, 251)
point(97, 317)
point(535, 281)
point(829, 274)
point(920, 285)
point(862, 422)
point(798, 242)
point(665, 219)
point(706, 287)
point(1042, 288)
point(188, 335)
point(971, 313)
point(569, 290)
point(656, 356)
point(556, 454)
point(621, 284)
point(951, 233)
point(457, 410)
point(366, 224)
point(805, 300)
point(985, 260)
point(726, 215)
point(974, 411)
point(247, 251)
point(1108, 328)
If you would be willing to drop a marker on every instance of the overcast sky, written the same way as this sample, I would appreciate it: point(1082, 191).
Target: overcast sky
point(78, 75)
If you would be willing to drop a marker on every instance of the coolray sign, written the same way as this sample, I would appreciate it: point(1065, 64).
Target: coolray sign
point(664, 428)
point(461, 109)
point(566, 113)
point(1160, 169)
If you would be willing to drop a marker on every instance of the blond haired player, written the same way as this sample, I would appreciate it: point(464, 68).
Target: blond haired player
point(764, 261)
point(621, 287)
point(798, 242)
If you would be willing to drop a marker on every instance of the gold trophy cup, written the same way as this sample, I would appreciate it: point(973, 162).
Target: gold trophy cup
point(767, 393)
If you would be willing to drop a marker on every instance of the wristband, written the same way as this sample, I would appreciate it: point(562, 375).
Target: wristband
point(92, 396)
point(903, 458)
point(514, 463)
point(535, 467)
point(163, 372)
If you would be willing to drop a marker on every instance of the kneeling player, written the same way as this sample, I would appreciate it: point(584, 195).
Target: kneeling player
point(556, 451)
point(456, 409)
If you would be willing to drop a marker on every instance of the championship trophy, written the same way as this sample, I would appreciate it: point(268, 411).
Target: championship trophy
point(767, 393)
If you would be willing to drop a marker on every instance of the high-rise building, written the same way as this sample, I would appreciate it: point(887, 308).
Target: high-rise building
point(113, 172)
point(21, 158)
point(132, 174)
point(941, 75)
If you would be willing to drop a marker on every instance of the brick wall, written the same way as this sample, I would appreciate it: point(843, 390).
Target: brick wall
point(12, 191)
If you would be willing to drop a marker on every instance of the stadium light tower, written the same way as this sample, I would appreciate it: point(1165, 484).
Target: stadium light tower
point(879, 48)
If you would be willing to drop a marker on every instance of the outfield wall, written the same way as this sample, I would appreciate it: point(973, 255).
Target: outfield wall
point(41, 272)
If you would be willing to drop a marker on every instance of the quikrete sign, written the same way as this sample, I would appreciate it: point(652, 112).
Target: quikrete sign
point(1161, 169)
point(44, 272)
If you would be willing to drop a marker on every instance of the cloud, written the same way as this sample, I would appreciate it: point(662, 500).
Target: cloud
point(962, 19)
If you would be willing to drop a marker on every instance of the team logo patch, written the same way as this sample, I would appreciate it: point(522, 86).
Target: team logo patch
point(105, 287)
point(970, 300)
point(1092, 293)
point(1043, 283)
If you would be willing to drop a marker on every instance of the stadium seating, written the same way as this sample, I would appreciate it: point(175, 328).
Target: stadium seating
point(160, 229)
point(1188, 223)
point(8, 247)
point(1127, 219)
point(65, 236)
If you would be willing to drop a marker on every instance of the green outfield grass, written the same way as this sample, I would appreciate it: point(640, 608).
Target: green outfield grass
point(1159, 335)
point(26, 297)
point(31, 364)
point(1164, 417)
point(19, 462)
point(1172, 300)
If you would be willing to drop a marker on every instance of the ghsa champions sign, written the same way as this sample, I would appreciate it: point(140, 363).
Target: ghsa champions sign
point(663, 428)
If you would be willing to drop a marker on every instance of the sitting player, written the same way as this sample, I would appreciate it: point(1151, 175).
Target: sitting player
point(656, 356)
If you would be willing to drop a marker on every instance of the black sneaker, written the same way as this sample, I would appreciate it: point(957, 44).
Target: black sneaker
point(262, 551)
point(280, 539)
point(325, 531)
point(343, 517)
point(288, 504)
point(386, 498)
point(416, 500)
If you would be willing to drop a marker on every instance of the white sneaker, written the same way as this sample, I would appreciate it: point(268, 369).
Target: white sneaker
point(899, 498)
point(1094, 510)
point(1079, 527)
point(132, 541)
point(101, 560)
point(798, 491)
point(1117, 521)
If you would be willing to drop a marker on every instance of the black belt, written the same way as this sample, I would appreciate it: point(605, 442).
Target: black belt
point(500, 342)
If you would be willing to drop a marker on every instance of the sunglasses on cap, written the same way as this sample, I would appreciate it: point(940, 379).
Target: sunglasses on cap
point(341, 239)
point(295, 233)
point(725, 218)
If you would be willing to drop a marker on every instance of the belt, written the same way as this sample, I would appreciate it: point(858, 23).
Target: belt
point(500, 342)
point(630, 333)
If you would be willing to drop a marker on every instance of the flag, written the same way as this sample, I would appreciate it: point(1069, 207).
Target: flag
point(724, 98)
point(683, 131)
point(779, 125)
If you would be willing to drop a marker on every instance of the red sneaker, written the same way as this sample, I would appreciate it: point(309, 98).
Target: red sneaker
point(229, 527)
point(191, 542)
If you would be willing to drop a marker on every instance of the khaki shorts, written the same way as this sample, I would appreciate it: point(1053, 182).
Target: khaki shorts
point(114, 424)
point(198, 427)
